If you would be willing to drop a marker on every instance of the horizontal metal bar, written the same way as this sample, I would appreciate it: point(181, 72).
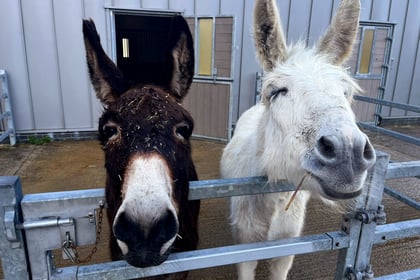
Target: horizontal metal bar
point(198, 190)
point(205, 258)
point(399, 230)
point(214, 188)
point(411, 108)
point(51, 222)
point(403, 169)
point(406, 275)
point(404, 120)
point(50, 197)
point(236, 186)
point(218, 188)
point(366, 76)
point(389, 132)
point(403, 198)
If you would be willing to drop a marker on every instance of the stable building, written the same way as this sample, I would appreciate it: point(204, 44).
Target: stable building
point(42, 52)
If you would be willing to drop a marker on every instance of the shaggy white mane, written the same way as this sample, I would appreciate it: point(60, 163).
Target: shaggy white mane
point(312, 69)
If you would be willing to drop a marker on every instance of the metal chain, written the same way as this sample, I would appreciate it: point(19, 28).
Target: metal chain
point(76, 259)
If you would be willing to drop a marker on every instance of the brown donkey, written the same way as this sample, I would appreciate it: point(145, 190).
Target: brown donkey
point(145, 134)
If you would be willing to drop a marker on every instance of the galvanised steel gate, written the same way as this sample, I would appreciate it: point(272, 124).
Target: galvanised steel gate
point(7, 127)
point(33, 225)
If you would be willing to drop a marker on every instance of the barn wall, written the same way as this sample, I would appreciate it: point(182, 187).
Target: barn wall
point(404, 77)
point(307, 19)
point(13, 59)
point(41, 48)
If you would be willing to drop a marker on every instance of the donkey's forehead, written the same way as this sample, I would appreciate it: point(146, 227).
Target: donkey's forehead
point(305, 69)
point(146, 101)
point(143, 95)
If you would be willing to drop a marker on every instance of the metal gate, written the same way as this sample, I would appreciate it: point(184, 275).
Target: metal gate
point(7, 127)
point(35, 224)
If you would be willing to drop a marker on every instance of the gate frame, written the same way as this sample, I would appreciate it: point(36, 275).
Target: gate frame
point(359, 230)
point(12, 242)
point(375, 126)
point(6, 112)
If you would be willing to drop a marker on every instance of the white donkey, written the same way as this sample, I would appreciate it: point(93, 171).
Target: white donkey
point(303, 130)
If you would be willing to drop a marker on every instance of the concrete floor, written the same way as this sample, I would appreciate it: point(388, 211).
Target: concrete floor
point(71, 165)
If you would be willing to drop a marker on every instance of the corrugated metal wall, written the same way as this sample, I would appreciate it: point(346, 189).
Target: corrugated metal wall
point(307, 20)
point(404, 77)
point(42, 50)
point(41, 47)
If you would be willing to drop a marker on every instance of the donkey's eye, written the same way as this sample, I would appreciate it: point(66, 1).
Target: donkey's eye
point(183, 130)
point(110, 130)
point(278, 91)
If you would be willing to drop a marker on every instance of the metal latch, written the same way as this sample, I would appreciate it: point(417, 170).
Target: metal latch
point(352, 274)
point(368, 216)
point(69, 251)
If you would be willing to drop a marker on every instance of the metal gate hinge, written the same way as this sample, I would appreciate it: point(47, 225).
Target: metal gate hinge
point(368, 216)
point(352, 274)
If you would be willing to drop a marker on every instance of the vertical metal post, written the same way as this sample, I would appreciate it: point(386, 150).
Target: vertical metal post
point(12, 243)
point(354, 261)
point(8, 107)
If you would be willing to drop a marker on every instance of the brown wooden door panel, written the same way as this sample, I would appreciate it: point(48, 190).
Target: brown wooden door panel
point(208, 103)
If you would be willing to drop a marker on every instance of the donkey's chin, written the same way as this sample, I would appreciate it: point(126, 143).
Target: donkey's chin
point(144, 257)
point(336, 190)
point(337, 195)
point(139, 259)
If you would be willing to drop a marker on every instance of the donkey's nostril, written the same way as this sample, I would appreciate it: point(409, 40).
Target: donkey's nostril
point(327, 146)
point(369, 152)
point(123, 228)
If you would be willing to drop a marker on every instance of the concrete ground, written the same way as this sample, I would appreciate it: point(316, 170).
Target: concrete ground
point(72, 165)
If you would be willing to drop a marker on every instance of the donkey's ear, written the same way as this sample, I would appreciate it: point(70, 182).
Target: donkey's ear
point(182, 52)
point(340, 36)
point(107, 80)
point(268, 34)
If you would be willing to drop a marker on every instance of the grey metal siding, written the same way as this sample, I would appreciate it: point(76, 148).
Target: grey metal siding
point(308, 19)
point(320, 19)
point(403, 84)
point(13, 60)
point(248, 66)
point(42, 63)
point(186, 6)
point(41, 48)
point(414, 98)
point(74, 85)
point(45, 58)
point(298, 29)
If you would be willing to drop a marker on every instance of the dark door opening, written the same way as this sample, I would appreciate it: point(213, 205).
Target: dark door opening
point(142, 47)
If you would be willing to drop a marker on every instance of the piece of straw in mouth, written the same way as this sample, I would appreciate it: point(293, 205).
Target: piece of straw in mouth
point(295, 192)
